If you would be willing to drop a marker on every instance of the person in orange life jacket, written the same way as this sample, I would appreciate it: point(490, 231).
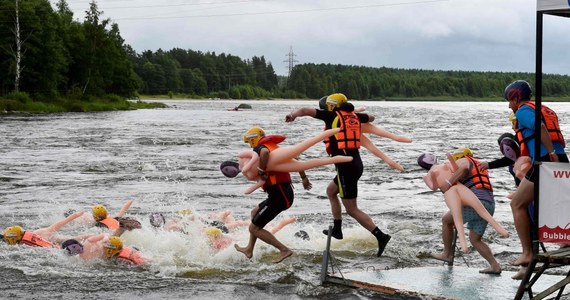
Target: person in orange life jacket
point(102, 219)
point(43, 237)
point(340, 113)
point(279, 197)
point(518, 95)
point(115, 251)
point(91, 246)
point(478, 182)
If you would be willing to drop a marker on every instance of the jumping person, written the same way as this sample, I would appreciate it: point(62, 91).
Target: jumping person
point(340, 114)
point(279, 196)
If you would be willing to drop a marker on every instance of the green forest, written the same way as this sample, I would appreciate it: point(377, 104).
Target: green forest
point(51, 61)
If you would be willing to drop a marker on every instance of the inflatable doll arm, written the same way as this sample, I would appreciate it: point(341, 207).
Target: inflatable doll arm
point(124, 208)
point(254, 187)
point(452, 163)
point(367, 143)
point(253, 159)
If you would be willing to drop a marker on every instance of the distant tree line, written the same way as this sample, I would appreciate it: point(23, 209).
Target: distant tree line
point(358, 82)
point(46, 54)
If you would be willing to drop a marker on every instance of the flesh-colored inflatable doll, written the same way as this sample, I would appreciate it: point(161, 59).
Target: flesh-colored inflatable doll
point(283, 159)
point(458, 196)
point(373, 129)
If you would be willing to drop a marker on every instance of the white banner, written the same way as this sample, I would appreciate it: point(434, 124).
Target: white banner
point(554, 208)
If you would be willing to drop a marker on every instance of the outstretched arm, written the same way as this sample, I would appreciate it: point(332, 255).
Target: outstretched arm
point(301, 112)
point(57, 225)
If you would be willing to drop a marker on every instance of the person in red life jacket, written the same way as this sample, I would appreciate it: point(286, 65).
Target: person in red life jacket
point(115, 251)
point(340, 114)
point(280, 196)
point(469, 174)
point(518, 94)
point(102, 219)
point(43, 237)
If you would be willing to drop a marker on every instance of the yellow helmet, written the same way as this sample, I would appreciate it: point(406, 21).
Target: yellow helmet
point(335, 101)
point(113, 246)
point(99, 212)
point(13, 235)
point(253, 135)
point(461, 152)
point(213, 232)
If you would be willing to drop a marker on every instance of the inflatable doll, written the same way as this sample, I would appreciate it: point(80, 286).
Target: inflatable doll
point(283, 159)
point(458, 196)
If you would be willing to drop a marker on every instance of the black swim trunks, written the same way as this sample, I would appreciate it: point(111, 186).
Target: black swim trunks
point(279, 198)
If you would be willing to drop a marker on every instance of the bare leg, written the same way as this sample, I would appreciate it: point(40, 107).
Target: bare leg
point(336, 210)
point(521, 199)
point(485, 252)
point(270, 239)
point(361, 217)
point(447, 237)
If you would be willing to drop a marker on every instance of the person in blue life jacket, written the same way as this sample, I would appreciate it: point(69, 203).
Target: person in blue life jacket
point(518, 94)
point(340, 114)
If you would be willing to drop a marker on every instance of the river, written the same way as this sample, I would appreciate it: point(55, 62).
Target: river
point(168, 159)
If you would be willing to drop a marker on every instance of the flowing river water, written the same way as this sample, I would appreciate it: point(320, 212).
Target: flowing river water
point(168, 159)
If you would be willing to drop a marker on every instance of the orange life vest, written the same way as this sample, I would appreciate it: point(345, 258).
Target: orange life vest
point(477, 177)
point(550, 120)
point(130, 256)
point(274, 178)
point(34, 240)
point(110, 223)
point(350, 131)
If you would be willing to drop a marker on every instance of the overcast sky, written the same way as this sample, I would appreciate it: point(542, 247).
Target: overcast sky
point(469, 35)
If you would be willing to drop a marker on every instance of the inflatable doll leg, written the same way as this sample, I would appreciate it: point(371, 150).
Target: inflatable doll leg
point(453, 201)
point(282, 224)
point(367, 143)
point(371, 128)
point(291, 152)
point(296, 165)
point(469, 199)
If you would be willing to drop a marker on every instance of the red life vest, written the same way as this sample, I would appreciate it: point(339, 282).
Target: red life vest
point(349, 136)
point(34, 240)
point(131, 256)
point(477, 177)
point(110, 223)
point(550, 120)
point(274, 178)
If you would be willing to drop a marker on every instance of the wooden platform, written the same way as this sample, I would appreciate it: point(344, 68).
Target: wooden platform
point(540, 263)
point(439, 283)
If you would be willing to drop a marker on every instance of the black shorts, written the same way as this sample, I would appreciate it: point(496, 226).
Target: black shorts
point(531, 174)
point(279, 198)
point(347, 176)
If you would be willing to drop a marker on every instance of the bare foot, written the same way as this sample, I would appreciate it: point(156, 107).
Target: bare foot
point(521, 261)
point(445, 258)
point(244, 250)
point(491, 270)
point(520, 274)
point(282, 255)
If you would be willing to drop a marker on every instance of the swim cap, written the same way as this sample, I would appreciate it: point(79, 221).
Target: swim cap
point(229, 169)
point(509, 146)
point(302, 234)
point(426, 160)
point(113, 246)
point(72, 246)
point(156, 219)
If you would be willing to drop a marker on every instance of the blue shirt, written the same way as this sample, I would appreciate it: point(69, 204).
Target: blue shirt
point(525, 119)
